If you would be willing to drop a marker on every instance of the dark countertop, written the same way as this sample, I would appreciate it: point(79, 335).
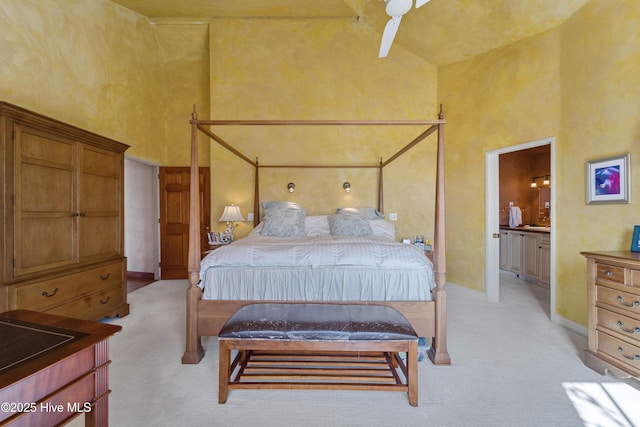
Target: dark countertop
point(526, 229)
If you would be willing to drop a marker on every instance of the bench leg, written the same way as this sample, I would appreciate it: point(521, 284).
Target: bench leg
point(412, 378)
point(224, 363)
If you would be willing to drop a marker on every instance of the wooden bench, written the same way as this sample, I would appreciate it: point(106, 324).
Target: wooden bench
point(318, 346)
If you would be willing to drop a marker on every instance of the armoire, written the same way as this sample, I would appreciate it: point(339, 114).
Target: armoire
point(62, 218)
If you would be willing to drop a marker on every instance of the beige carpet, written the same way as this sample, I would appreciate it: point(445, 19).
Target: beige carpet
point(511, 367)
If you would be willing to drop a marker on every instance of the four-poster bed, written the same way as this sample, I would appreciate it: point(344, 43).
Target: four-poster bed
point(205, 317)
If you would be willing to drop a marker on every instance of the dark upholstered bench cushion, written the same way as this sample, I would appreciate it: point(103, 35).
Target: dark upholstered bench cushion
point(318, 322)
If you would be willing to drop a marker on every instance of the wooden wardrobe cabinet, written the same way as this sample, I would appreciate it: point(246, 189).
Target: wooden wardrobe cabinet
point(62, 210)
point(613, 280)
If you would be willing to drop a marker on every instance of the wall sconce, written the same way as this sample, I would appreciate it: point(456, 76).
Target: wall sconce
point(347, 187)
point(546, 181)
point(231, 216)
point(291, 187)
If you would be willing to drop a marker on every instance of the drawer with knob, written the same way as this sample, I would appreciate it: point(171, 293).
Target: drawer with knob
point(610, 272)
point(48, 293)
point(91, 306)
point(618, 300)
point(626, 327)
point(622, 353)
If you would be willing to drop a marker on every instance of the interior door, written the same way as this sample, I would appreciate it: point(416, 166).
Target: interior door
point(174, 219)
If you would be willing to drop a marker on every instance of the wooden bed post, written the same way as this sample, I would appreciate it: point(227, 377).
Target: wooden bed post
point(256, 198)
point(380, 188)
point(194, 351)
point(438, 352)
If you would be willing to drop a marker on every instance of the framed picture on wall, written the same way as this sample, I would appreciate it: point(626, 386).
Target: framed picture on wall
point(635, 240)
point(608, 180)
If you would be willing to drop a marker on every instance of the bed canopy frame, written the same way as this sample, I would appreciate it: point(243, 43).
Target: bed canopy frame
point(199, 313)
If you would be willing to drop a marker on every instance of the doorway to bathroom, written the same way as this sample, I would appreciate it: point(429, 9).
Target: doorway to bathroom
point(536, 210)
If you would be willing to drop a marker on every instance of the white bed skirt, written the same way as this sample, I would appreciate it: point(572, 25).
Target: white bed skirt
point(334, 283)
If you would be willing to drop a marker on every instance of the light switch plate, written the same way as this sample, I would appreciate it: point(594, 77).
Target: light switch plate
point(393, 216)
point(250, 216)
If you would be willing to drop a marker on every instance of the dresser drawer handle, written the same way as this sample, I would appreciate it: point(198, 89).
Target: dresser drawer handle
point(608, 273)
point(633, 304)
point(47, 295)
point(105, 277)
point(630, 331)
point(636, 357)
point(106, 300)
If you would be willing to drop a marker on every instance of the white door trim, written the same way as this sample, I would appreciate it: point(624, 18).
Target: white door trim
point(492, 220)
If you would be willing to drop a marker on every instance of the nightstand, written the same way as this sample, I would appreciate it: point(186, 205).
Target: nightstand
point(213, 247)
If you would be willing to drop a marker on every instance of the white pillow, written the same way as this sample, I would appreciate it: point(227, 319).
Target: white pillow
point(369, 213)
point(317, 225)
point(383, 228)
point(280, 204)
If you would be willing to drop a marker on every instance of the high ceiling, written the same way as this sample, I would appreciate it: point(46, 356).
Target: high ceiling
point(442, 31)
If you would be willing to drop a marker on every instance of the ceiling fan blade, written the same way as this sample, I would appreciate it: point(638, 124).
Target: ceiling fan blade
point(421, 3)
point(388, 35)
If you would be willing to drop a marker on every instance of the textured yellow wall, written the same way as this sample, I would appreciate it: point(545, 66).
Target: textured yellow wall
point(320, 69)
point(503, 98)
point(184, 51)
point(600, 96)
point(574, 82)
point(106, 69)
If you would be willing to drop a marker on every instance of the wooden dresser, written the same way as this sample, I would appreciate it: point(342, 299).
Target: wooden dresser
point(614, 313)
point(62, 210)
point(53, 370)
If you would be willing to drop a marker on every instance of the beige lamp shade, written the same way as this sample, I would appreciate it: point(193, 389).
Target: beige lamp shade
point(231, 214)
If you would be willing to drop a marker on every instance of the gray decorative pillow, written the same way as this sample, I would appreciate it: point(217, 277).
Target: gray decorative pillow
point(349, 225)
point(284, 222)
point(369, 213)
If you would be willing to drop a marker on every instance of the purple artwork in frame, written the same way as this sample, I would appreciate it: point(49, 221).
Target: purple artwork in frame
point(608, 180)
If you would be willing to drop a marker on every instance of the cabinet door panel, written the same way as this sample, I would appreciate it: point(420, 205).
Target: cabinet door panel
point(99, 194)
point(45, 227)
point(505, 250)
point(39, 182)
point(100, 237)
point(529, 256)
point(35, 145)
point(44, 243)
point(516, 244)
point(100, 222)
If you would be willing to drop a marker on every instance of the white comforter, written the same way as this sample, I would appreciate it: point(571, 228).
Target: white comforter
point(267, 251)
point(317, 268)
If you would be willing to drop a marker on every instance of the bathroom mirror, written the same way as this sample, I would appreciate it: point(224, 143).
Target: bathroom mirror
point(544, 203)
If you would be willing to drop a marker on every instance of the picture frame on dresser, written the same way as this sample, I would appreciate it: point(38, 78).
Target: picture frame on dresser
point(608, 180)
point(635, 240)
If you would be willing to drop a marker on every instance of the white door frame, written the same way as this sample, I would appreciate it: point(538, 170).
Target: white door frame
point(492, 221)
point(152, 219)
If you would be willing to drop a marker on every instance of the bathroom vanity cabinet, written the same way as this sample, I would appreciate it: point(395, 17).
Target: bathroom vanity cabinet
point(526, 253)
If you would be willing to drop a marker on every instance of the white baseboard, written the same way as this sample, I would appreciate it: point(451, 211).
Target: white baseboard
point(572, 326)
